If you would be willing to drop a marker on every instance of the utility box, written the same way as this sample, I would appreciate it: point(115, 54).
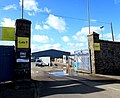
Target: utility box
point(22, 69)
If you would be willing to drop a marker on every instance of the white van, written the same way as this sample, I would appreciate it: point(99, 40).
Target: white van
point(38, 62)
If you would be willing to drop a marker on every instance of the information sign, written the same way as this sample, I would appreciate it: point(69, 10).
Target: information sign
point(97, 46)
point(23, 42)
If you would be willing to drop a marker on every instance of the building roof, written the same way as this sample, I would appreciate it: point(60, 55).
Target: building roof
point(50, 53)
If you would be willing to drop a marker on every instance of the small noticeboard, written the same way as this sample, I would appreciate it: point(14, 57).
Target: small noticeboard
point(97, 46)
point(23, 42)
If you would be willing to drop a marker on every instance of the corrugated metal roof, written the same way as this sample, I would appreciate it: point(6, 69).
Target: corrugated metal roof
point(51, 53)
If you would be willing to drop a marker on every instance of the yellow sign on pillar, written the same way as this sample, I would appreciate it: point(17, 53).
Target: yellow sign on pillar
point(23, 42)
point(97, 46)
point(7, 34)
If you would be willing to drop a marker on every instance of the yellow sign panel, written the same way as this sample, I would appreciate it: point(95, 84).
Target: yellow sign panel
point(97, 46)
point(8, 34)
point(23, 42)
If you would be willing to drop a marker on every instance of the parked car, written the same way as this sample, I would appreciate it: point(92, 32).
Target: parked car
point(38, 62)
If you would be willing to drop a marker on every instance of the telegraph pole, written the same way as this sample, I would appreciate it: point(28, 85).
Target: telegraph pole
point(88, 12)
point(112, 31)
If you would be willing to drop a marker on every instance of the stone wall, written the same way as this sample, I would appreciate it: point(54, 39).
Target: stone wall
point(105, 60)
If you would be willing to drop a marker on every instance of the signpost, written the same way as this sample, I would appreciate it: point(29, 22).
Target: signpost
point(23, 51)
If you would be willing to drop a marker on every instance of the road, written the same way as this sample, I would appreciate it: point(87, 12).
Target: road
point(62, 87)
point(46, 85)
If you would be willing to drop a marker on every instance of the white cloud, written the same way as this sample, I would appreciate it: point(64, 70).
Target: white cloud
point(44, 27)
point(38, 27)
point(76, 45)
point(118, 37)
point(31, 13)
point(65, 39)
point(107, 36)
point(93, 20)
point(57, 23)
point(80, 38)
point(41, 38)
point(56, 46)
point(8, 7)
point(47, 10)
point(30, 5)
point(7, 22)
point(81, 35)
point(36, 47)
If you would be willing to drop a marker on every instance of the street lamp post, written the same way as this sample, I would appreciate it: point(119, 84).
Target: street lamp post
point(102, 30)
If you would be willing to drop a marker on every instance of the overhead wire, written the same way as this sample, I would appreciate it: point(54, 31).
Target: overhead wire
point(67, 17)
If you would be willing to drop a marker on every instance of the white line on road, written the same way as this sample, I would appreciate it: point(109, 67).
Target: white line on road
point(114, 88)
point(66, 86)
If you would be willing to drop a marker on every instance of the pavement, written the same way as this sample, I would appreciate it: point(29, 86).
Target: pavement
point(94, 80)
point(96, 77)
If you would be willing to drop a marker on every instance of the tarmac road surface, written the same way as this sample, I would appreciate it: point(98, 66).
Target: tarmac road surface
point(64, 87)
point(45, 85)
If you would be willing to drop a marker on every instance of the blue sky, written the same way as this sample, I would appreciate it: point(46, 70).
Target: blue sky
point(62, 24)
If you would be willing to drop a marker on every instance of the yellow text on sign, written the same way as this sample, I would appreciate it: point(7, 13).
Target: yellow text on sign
point(23, 42)
point(97, 46)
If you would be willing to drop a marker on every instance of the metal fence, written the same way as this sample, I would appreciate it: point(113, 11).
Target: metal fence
point(82, 57)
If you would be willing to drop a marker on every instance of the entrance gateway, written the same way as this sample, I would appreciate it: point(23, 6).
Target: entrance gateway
point(82, 60)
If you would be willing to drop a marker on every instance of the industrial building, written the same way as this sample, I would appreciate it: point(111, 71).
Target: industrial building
point(52, 53)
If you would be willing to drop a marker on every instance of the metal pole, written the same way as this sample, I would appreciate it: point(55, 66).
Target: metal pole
point(88, 12)
point(101, 28)
point(22, 7)
point(102, 33)
point(112, 31)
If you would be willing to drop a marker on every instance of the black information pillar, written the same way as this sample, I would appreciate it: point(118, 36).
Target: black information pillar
point(22, 69)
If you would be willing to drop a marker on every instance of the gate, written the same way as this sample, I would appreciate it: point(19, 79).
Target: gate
point(6, 63)
point(82, 58)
